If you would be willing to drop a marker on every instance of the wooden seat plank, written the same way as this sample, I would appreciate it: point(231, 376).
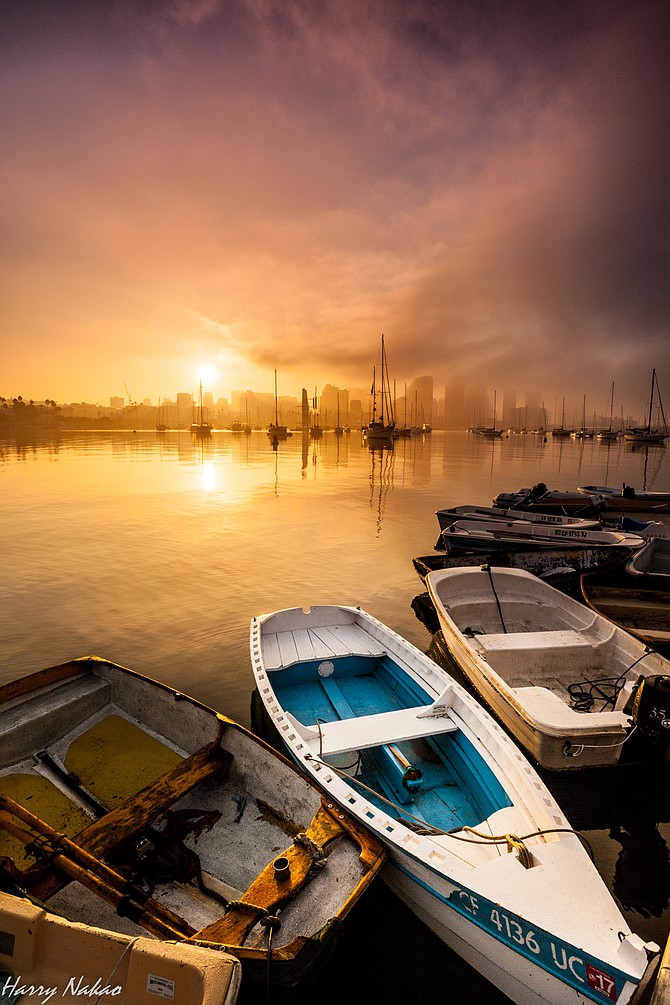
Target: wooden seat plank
point(267, 893)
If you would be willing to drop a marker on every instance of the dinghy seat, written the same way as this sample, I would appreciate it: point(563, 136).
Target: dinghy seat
point(39, 720)
point(282, 649)
point(515, 651)
point(376, 730)
point(356, 732)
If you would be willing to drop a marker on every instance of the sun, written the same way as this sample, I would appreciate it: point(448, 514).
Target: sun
point(206, 375)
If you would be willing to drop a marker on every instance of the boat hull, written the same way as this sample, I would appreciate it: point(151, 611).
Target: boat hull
point(446, 517)
point(546, 563)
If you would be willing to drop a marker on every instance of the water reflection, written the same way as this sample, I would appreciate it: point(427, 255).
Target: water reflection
point(155, 551)
point(382, 459)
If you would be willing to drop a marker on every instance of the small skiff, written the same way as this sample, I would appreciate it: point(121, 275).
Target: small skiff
point(653, 558)
point(562, 563)
point(46, 958)
point(637, 602)
point(478, 848)
point(501, 535)
point(556, 673)
point(132, 808)
point(628, 499)
point(539, 497)
point(446, 517)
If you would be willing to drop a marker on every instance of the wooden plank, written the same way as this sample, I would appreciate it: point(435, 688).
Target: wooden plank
point(303, 644)
point(331, 638)
point(337, 699)
point(271, 655)
point(287, 648)
point(117, 826)
point(322, 650)
point(270, 891)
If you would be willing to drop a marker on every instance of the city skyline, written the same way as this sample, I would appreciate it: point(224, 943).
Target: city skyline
point(455, 407)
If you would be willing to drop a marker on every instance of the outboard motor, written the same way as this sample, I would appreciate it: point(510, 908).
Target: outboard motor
point(651, 711)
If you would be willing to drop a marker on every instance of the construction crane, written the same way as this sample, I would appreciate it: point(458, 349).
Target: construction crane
point(127, 392)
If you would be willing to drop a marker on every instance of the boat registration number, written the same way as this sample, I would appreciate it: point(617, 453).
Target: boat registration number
point(566, 962)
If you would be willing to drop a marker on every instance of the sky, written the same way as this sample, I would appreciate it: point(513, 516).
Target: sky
point(258, 185)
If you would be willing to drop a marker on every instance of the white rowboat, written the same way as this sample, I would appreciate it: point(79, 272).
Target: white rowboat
point(536, 656)
point(478, 848)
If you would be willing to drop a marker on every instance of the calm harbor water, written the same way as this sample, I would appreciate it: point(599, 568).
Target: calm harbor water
point(155, 550)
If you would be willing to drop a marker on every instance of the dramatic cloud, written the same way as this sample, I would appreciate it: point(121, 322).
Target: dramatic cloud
point(269, 184)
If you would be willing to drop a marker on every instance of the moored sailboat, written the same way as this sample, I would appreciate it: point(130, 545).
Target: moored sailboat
point(382, 428)
point(277, 431)
point(649, 434)
point(610, 433)
point(200, 427)
point(490, 431)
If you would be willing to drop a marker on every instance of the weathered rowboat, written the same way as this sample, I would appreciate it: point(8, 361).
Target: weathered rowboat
point(548, 563)
point(478, 847)
point(128, 806)
point(627, 499)
point(639, 603)
point(558, 675)
point(45, 958)
point(653, 558)
point(540, 498)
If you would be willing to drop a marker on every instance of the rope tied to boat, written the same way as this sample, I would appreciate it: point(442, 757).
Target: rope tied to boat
point(513, 842)
point(487, 568)
point(44, 848)
point(266, 919)
point(316, 851)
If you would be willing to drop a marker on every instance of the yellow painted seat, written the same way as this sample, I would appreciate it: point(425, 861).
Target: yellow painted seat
point(42, 798)
point(114, 759)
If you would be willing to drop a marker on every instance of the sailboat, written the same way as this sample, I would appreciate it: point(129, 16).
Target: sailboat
point(382, 428)
point(647, 434)
point(315, 430)
point(338, 428)
point(275, 430)
point(200, 427)
point(609, 434)
point(161, 427)
point(583, 433)
point(246, 429)
point(561, 431)
point(490, 431)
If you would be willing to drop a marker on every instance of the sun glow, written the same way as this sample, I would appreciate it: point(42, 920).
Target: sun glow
point(206, 375)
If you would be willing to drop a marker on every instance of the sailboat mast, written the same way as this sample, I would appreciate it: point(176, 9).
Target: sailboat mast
point(651, 398)
point(383, 368)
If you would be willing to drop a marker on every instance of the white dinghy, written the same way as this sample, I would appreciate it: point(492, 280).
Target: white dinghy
point(502, 535)
point(446, 517)
point(478, 848)
point(559, 675)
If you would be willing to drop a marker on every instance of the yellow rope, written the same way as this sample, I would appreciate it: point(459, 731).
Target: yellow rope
point(513, 842)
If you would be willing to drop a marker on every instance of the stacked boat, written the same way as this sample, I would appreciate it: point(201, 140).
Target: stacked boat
point(503, 534)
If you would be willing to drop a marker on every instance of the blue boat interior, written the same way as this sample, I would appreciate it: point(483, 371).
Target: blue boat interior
point(442, 780)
